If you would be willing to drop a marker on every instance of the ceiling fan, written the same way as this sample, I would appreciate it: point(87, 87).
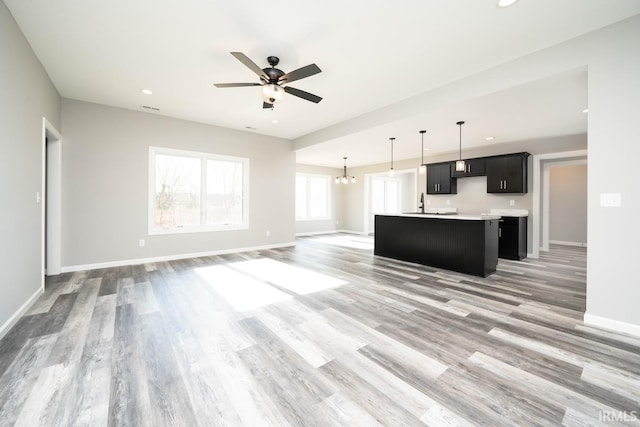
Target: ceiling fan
point(273, 80)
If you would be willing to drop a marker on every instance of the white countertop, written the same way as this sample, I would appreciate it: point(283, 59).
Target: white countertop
point(509, 212)
point(451, 213)
point(436, 216)
point(447, 210)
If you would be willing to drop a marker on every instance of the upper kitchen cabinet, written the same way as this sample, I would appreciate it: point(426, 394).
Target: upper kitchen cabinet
point(439, 179)
point(472, 167)
point(507, 173)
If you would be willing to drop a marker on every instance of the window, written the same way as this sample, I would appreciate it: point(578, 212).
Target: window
point(191, 192)
point(385, 195)
point(312, 196)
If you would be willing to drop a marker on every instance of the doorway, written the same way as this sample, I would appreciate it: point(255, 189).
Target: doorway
point(541, 165)
point(565, 218)
point(51, 200)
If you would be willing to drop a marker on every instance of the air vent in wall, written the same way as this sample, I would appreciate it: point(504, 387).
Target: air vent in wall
point(148, 107)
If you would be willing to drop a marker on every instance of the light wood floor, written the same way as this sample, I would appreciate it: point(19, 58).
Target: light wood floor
point(318, 334)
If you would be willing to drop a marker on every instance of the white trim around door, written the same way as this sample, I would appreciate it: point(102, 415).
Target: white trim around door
point(50, 199)
point(541, 163)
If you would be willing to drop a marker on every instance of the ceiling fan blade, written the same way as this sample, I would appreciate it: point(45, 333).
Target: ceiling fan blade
point(302, 94)
point(236, 84)
point(265, 105)
point(300, 73)
point(250, 64)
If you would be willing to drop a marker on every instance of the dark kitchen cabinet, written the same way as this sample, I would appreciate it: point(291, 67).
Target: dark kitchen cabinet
point(469, 247)
point(472, 167)
point(439, 179)
point(507, 174)
point(512, 237)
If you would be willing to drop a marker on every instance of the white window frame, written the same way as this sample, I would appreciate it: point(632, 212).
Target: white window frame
point(328, 180)
point(202, 228)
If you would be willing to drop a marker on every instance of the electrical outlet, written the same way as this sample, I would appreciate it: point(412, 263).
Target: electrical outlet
point(141, 242)
point(428, 201)
point(512, 202)
point(268, 233)
point(448, 202)
point(337, 222)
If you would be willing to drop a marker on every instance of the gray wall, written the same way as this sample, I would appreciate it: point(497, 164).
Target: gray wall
point(105, 184)
point(332, 224)
point(568, 204)
point(613, 293)
point(26, 96)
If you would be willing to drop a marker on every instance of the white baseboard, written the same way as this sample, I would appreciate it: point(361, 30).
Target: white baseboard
point(614, 325)
point(19, 313)
point(109, 264)
point(361, 233)
point(561, 242)
point(316, 233)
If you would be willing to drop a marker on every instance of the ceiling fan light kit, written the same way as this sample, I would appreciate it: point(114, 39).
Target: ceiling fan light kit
point(271, 93)
point(273, 80)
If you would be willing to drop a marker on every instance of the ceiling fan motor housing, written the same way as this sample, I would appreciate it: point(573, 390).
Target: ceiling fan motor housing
point(273, 73)
point(270, 89)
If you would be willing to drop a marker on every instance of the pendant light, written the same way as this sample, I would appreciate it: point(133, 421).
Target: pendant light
point(423, 167)
point(391, 172)
point(345, 178)
point(460, 166)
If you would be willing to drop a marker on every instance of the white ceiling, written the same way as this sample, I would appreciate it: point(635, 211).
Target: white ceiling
point(548, 107)
point(371, 52)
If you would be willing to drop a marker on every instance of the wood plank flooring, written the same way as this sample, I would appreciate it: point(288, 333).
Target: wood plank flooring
point(319, 334)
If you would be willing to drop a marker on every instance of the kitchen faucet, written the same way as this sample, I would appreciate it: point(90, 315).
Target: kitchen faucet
point(422, 202)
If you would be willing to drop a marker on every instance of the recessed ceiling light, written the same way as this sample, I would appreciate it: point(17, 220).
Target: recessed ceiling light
point(427, 149)
point(586, 110)
point(274, 122)
point(506, 3)
point(489, 138)
point(146, 91)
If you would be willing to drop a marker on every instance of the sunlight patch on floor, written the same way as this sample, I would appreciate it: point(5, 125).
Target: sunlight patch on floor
point(355, 242)
point(296, 279)
point(240, 290)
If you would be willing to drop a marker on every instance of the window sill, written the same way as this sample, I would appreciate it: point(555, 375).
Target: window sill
point(188, 230)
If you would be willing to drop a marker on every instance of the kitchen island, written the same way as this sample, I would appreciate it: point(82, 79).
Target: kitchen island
point(463, 243)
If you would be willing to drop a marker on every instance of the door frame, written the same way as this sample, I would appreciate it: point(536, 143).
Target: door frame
point(51, 200)
point(540, 221)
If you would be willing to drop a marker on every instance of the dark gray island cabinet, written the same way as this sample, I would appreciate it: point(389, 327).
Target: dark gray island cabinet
point(463, 243)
